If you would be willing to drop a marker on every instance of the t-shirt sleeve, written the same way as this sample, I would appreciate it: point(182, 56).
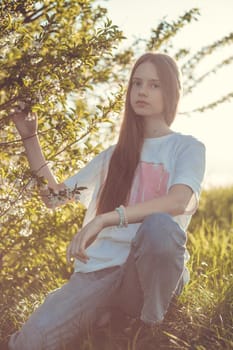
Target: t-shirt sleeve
point(189, 170)
point(90, 177)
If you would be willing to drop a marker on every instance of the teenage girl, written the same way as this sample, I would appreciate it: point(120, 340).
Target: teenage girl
point(140, 195)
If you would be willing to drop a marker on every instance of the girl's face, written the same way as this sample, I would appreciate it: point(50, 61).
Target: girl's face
point(146, 95)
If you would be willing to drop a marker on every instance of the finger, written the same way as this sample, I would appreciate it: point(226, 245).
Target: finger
point(74, 245)
point(69, 251)
point(82, 245)
point(81, 258)
point(19, 108)
point(74, 249)
point(15, 115)
point(80, 254)
point(68, 254)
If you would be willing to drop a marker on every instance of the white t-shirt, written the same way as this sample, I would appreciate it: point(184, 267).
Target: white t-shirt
point(165, 161)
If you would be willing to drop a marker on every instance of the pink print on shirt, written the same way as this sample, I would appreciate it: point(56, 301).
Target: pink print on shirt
point(150, 181)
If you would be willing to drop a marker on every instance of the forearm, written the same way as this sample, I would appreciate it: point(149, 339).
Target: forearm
point(138, 212)
point(37, 160)
point(174, 203)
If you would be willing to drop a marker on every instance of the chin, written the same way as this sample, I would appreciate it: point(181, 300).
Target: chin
point(141, 111)
point(141, 114)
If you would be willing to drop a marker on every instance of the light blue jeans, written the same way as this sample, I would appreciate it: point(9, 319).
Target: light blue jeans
point(142, 287)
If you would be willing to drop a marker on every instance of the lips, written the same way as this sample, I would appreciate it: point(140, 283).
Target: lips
point(141, 103)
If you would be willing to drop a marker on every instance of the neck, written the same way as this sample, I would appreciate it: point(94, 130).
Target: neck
point(155, 128)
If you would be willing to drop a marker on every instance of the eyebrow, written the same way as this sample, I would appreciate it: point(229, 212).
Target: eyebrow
point(137, 78)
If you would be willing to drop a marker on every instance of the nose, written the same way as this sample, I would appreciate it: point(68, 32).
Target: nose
point(143, 90)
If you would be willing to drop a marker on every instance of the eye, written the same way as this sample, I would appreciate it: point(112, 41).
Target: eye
point(154, 86)
point(136, 83)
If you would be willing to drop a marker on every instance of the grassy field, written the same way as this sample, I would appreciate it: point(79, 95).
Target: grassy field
point(202, 317)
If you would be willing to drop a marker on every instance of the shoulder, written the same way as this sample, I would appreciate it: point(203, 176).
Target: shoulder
point(107, 153)
point(104, 156)
point(184, 141)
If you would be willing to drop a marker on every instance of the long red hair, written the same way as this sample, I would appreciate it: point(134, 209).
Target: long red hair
point(126, 155)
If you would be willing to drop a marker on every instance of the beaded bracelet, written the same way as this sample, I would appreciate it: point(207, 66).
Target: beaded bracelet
point(122, 215)
point(125, 217)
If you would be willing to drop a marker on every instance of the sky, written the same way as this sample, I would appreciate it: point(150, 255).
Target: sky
point(215, 127)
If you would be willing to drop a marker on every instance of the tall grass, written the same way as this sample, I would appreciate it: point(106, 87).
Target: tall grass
point(201, 318)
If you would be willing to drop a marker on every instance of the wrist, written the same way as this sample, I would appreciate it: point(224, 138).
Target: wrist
point(109, 219)
point(100, 221)
point(29, 137)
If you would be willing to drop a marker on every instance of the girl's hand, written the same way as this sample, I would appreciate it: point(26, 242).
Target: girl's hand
point(83, 239)
point(26, 124)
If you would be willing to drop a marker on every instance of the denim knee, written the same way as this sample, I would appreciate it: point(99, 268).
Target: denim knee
point(159, 235)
